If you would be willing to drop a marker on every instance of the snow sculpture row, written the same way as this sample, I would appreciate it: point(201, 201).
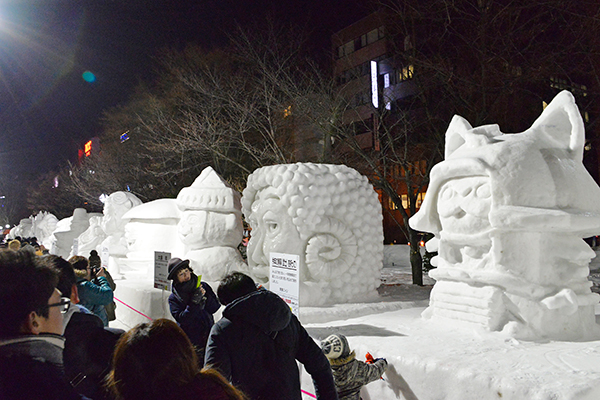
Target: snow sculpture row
point(329, 215)
point(510, 212)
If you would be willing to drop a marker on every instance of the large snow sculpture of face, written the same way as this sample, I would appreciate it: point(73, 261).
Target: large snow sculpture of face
point(509, 212)
point(199, 229)
point(210, 213)
point(329, 215)
point(273, 230)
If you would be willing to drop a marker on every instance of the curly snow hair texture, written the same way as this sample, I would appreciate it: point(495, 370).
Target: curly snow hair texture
point(338, 216)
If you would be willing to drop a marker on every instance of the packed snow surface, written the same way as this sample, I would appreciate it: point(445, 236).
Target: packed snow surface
point(428, 360)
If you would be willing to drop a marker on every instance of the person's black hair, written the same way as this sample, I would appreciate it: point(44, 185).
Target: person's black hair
point(26, 284)
point(79, 262)
point(66, 274)
point(234, 286)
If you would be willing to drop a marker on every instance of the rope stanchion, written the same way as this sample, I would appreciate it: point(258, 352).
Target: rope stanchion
point(127, 305)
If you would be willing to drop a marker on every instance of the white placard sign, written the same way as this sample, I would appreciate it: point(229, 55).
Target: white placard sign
point(161, 271)
point(285, 278)
point(105, 257)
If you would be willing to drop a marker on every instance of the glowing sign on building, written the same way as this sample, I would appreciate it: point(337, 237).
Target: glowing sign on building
point(92, 146)
point(87, 148)
point(374, 85)
point(124, 136)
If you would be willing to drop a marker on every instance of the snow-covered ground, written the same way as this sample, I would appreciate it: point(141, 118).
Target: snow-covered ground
point(430, 361)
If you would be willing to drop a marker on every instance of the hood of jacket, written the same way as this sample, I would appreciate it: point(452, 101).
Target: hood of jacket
point(45, 347)
point(262, 308)
point(344, 370)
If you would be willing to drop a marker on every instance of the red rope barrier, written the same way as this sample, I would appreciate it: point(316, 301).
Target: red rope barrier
point(127, 305)
point(310, 394)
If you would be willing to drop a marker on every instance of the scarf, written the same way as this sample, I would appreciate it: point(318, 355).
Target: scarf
point(186, 290)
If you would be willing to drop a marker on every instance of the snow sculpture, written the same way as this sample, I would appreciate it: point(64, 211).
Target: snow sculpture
point(211, 226)
point(330, 216)
point(44, 223)
point(509, 211)
point(92, 238)
point(113, 225)
point(150, 227)
point(23, 230)
point(67, 230)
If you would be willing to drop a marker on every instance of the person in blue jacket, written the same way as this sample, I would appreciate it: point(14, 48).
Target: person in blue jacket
point(192, 304)
point(91, 295)
point(257, 342)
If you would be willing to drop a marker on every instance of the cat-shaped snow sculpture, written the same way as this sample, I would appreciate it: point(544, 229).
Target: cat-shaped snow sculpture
point(510, 212)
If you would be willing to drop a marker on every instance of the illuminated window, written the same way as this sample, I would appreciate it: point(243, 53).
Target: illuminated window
point(406, 73)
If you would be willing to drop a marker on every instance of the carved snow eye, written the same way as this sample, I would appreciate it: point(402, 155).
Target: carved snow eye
point(193, 220)
point(484, 191)
point(270, 222)
point(447, 193)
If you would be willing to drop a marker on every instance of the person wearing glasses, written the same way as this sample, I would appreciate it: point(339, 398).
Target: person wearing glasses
point(31, 327)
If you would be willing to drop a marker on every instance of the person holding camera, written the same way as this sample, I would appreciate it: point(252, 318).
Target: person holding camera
point(93, 296)
point(95, 264)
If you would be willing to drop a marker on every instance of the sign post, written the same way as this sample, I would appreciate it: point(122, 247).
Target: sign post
point(161, 271)
point(285, 279)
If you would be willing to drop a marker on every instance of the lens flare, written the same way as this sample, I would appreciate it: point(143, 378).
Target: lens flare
point(88, 76)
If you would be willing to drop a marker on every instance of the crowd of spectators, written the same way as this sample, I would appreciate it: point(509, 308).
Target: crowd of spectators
point(55, 342)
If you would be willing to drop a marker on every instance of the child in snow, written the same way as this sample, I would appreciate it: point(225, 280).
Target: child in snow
point(350, 374)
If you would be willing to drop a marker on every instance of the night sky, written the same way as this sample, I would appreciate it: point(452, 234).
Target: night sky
point(47, 107)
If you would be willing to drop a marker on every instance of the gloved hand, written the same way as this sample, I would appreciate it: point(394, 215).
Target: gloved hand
point(198, 298)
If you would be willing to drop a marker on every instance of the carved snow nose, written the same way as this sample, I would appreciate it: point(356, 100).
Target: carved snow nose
point(256, 255)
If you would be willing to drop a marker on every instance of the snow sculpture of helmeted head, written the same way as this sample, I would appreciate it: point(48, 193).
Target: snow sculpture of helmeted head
point(509, 212)
point(211, 225)
point(330, 216)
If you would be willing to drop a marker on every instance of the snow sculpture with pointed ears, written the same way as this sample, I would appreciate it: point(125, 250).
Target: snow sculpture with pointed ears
point(510, 212)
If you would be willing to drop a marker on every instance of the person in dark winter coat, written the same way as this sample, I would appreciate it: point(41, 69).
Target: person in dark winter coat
point(156, 361)
point(92, 296)
point(257, 342)
point(31, 325)
point(89, 345)
point(192, 303)
point(350, 374)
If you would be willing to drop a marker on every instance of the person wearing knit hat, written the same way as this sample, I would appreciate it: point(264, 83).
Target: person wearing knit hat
point(192, 304)
point(350, 374)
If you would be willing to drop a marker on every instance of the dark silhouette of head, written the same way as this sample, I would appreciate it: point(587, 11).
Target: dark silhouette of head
point(26, 284)
point(66, 275)
point(151, 358)
point(234, 286)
